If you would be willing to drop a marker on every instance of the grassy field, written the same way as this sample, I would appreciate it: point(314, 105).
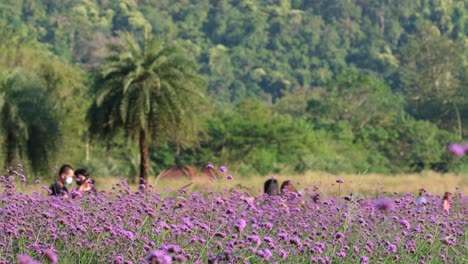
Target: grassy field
point(368, 184)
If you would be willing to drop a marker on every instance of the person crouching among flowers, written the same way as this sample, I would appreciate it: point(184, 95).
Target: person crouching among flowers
point(84, 182)
point(65, 177)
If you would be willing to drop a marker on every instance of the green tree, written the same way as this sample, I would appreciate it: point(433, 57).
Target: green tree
point(359, 98)
point(28, 121)
point(149, 91)
point(432, 70)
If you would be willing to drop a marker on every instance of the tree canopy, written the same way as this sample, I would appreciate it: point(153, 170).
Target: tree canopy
point(151, 92)
point(311, 85)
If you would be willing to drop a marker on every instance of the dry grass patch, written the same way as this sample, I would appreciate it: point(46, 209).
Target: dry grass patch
point(368, 184)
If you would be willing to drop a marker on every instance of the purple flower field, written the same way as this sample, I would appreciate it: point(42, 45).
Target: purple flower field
point(229, 226)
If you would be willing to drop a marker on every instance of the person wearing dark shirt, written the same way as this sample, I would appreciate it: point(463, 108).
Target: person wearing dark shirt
point(58, 190)
point(270, 187)
point(84, 182)
point(65, 177)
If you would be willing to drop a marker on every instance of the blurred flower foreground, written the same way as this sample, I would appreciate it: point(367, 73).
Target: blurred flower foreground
point(230, 226)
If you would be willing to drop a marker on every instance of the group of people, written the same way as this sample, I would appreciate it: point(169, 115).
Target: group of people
point(446, 200)
point(66, 176)
point(271, 187)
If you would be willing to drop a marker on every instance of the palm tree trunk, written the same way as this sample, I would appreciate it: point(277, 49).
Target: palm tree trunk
point(87, 148)
point(459, 122)
point(144, 160)
point(11, 148)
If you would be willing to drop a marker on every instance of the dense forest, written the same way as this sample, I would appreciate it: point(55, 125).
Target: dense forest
point(287, 85)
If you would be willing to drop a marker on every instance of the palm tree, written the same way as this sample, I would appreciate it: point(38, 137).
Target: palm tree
point(149, 92)
point(28, 121)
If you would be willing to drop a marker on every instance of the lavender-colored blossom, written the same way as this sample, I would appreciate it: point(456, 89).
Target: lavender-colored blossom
point(118, 259)
point(209, 166)
point(449, 241)
point(254, 239)
point(339, 180)
point(364, 260)
point(51, 256)
point(228, 226)
point(296, 241)
point(158, 257)
point(265, 254)
point(405, 224)
point(230, 177)
point(384, 204)
point(240, 225)
point(171, 248)
point(25, 259)
point(223, 169)
point(392, 248)
point(282, 253)
point(339, 236)
point(456, 149)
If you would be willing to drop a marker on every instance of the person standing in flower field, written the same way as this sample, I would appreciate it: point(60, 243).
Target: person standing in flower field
point(65, 177)
point(421, 201)
point(446, 202)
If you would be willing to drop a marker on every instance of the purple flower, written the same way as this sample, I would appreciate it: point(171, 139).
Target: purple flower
point(282, 236)
point(158, 257)
point(223, 169)
point(254, 239)
point(384, 204)
point(405, 224)
point(364, 260)
point(171, 248)
point(22, 177)
point(392, 248)
point(209, 166)
point(449, 241)
point(339, 235)
point(240, 225)
point(457, 149)
point(339, 180)
point(295, 241)
point(282, 253)
point(127, 235)
point(25, 259)
point(118, 260)
point(220, 234)
point(265, 254)
point(51, 256)
point(230, 177)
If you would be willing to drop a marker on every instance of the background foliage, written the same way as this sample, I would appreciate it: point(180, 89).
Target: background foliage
point(341, 86)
